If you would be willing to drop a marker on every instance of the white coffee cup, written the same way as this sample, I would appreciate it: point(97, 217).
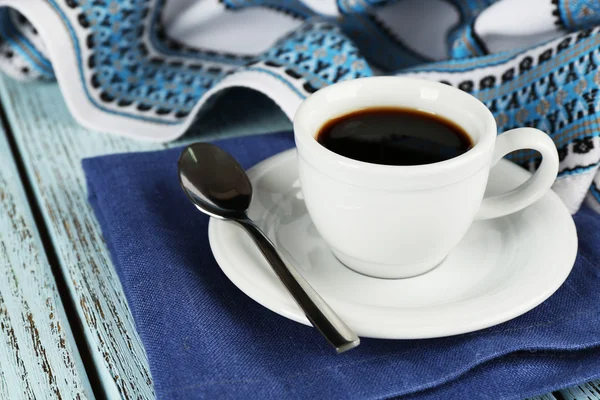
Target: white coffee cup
point(401, 221)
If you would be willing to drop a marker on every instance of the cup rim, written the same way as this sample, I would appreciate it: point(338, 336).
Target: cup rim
point(307, 139)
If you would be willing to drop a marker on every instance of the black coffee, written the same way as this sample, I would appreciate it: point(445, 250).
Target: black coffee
point(394, 136)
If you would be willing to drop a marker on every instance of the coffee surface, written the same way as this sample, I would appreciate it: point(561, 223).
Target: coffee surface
point(394, 136)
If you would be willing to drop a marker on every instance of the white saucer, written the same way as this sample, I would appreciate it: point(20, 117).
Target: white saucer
point(502, 268)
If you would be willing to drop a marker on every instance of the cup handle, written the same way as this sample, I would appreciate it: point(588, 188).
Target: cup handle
point(536, 186)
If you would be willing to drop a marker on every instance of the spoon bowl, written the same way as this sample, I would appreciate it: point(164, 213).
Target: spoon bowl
point(214, 181)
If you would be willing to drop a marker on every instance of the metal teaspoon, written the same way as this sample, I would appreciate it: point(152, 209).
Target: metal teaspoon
point(218, 186)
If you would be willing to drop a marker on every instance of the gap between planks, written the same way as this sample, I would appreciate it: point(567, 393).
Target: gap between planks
point(67, 301)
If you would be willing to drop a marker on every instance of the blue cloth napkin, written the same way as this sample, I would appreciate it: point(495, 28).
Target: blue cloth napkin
point(206, 339)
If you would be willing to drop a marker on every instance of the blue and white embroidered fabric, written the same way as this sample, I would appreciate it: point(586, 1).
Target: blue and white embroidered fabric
point(144, 68)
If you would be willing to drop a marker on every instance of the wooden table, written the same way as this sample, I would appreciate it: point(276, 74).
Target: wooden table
point(65, 328)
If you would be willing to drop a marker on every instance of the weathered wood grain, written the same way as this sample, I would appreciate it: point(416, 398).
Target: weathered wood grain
point(38, 358)
point(587, 391)
point(52, 145)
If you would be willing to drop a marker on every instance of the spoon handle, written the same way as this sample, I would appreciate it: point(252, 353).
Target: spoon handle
point(316, 309)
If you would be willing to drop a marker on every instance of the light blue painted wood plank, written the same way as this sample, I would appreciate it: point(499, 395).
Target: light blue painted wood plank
point(52, 145)
point(38, 358)
point(586, 391)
